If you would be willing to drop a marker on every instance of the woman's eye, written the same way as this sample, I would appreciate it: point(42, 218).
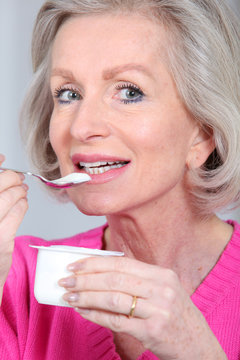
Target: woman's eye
point(129, 94)
point(66, 96)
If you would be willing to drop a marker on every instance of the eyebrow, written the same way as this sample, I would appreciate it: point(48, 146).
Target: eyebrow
point(107, 74)
point(111, 73)
point(63, 73)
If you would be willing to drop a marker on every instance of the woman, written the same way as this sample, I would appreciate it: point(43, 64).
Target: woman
point(143, 96)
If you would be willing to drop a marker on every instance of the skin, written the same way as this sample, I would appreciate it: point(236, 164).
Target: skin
point(102, 124)
point(156, 134)
point(167, 256)
point(13, 206)
point(168, 248)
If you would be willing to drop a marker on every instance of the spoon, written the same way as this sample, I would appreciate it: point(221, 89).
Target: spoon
point(61, 183)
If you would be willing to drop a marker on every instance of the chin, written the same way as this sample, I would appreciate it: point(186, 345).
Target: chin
point(101, 203)
point(91, 211)
point(93, 206)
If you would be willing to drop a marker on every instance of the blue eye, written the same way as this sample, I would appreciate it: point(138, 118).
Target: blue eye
point(66, 96)
point(129, 93)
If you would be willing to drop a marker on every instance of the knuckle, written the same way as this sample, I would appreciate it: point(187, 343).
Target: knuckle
point(12, 195)
point(171, 276)
point(153, 328)
point(158, 324)
point(5, 198)
point(153, 291)
point(9, 178)
point(81, 282)
point(118, 264)
point(16, 178)
point(115, 281)
point(19, 208)
point(170, 294)
point(166, 316)
point(23, 204)
point(115, 321)
point(113, 301)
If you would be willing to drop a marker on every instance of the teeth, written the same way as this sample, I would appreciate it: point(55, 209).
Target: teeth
point(100, 167)
point(99, 163)
point(100, 170)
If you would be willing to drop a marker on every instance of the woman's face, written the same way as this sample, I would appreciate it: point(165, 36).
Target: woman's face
point(117, 114)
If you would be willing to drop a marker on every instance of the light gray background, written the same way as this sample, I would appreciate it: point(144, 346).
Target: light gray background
point(46, 217)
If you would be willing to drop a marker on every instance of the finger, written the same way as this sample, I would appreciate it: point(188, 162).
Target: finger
point(10, 197)
point(116, 322)
point(113, 302)
point(2, 159)
point(116, 264)
point(158, 294)
point(11, 222)
point(9, 179)
point(125, 283)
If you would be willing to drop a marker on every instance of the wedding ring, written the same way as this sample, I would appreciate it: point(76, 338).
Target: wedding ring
point(134, 302)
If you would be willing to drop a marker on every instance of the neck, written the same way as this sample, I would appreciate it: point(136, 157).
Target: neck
point(186, 244)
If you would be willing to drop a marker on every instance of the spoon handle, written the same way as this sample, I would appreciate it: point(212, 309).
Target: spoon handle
point(17, 171)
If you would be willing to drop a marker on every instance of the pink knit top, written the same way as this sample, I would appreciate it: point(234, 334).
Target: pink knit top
point(31, 331)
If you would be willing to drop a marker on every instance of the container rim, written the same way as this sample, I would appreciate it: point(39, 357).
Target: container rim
point(77, 250)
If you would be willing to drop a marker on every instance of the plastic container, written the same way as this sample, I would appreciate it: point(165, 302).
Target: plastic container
point(52, 262)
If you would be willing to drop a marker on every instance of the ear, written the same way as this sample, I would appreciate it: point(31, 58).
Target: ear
point(202, 146)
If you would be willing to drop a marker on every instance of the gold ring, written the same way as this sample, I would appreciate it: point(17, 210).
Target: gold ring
point(134, 302)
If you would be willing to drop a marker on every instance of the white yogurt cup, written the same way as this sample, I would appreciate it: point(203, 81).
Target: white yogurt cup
point(52, 262)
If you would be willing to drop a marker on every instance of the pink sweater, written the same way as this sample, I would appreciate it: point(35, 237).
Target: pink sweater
point(31, 331)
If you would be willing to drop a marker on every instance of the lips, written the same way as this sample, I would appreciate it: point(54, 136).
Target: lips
point(97, 164)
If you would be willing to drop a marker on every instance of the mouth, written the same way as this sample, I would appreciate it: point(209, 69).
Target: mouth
point(100, 167)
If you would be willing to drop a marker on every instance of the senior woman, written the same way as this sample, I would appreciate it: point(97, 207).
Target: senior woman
point(144, 97)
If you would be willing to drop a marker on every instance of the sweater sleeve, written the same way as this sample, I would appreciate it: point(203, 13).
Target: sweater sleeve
point(14, 311)
point(9, 348)
point(20, 314)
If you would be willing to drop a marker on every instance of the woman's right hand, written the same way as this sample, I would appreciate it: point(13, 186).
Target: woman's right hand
point(13, 206)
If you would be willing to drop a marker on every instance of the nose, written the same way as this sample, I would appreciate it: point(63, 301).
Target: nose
point(90, 122)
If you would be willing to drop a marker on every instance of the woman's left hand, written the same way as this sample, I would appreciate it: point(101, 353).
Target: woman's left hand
point(165, 320)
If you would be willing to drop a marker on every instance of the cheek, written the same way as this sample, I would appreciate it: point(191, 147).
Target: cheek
point(59, 146)
point(57, 134)
point(54, 140)
point(154, 136)
point(52, 134)
point(163, 142)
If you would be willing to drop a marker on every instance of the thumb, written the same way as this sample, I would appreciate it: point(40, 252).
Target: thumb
point(2, 159)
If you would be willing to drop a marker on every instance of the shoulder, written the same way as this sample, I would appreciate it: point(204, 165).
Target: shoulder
point(20, 280)
point(90, 238)
point(24, 253)
point(228, 266)
point(222, 284)
point(233, 247)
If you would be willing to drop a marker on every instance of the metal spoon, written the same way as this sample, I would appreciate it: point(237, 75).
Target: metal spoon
point(61, 183)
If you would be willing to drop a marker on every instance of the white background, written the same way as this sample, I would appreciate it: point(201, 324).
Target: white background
point(46, 217)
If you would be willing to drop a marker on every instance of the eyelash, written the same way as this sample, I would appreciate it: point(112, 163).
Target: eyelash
point(59, 91)
point(131, 87)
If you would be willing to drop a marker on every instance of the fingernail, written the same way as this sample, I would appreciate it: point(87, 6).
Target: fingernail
point(76, 266)
point(67, 282)
point(22, 177)
point(71, 297)
point(82, 311)
point(25, 186)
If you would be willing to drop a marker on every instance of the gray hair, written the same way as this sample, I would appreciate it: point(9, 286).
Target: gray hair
point(204, 60)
